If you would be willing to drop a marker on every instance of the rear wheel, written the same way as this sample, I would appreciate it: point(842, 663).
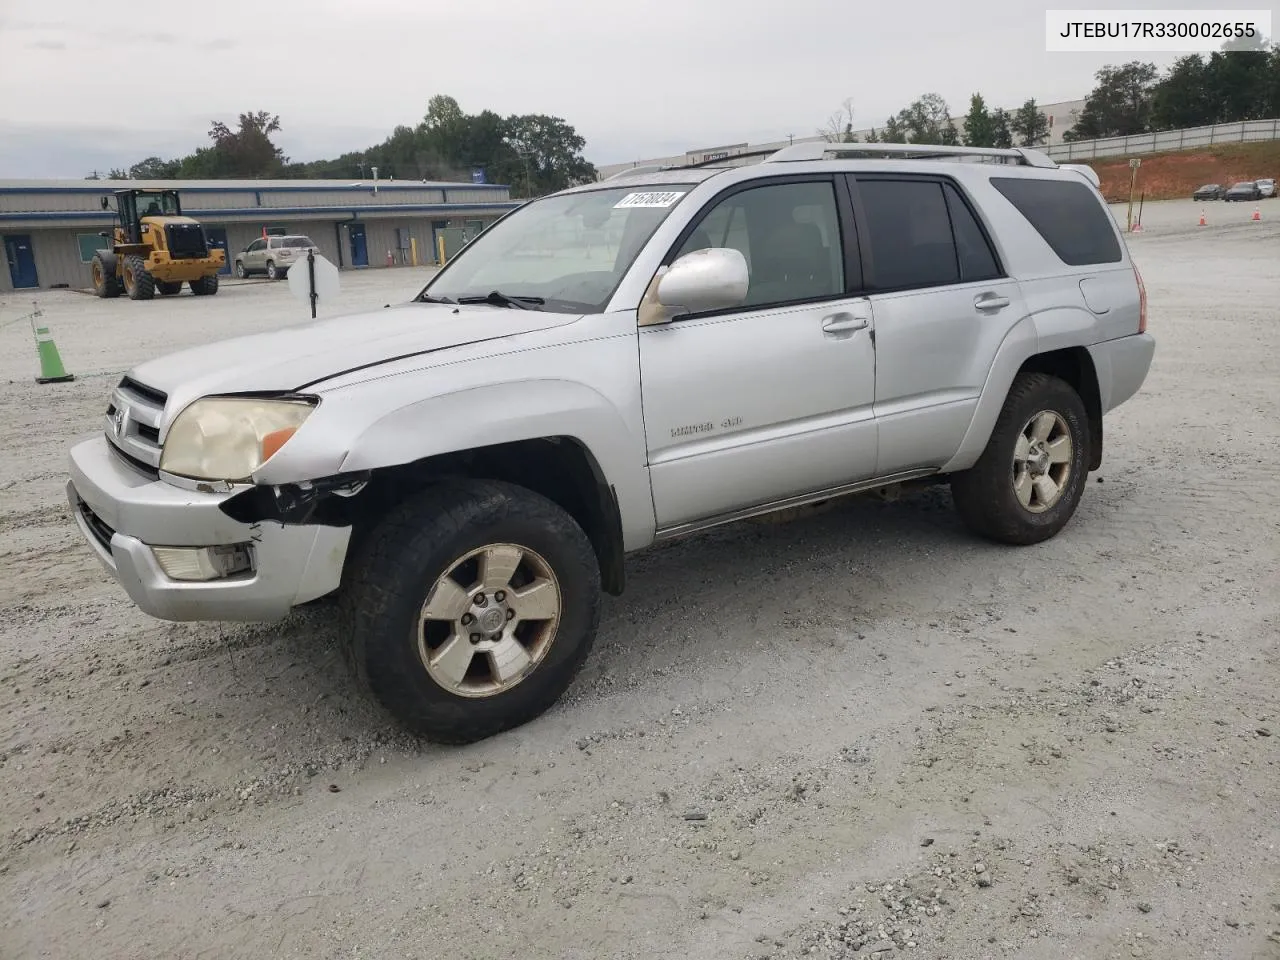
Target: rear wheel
point(168, 288)
point(471, 608)
point(105, 282)
point(139, 284)
point(205, 286)
point(271, 270)
point(1026, 485)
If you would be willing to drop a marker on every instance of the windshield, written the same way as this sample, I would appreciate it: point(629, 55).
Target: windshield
point(565, 254)
point(157, 205)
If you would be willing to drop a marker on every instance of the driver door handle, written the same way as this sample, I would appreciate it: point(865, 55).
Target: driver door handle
point(844, 323)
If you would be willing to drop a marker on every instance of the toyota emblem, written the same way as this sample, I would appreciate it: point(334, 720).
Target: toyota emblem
point(117, 422)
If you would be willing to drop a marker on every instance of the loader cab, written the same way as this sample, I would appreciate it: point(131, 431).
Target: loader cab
point(133, 205)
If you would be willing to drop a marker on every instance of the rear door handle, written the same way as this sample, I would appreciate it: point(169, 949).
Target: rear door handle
point(990, 301)
point(844, 323)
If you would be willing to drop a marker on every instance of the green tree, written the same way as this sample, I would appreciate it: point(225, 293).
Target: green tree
point(248, 152)
point(1001, 134)
point(1182, 98)
point(153, 168)
point(1029, 125)
point(928, 120)
point(979, 130)
point(1120, 103)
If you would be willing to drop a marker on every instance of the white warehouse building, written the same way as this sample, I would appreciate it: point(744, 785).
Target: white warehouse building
point(51, 228)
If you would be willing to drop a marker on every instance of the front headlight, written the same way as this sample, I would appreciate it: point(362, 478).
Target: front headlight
point(228, 438)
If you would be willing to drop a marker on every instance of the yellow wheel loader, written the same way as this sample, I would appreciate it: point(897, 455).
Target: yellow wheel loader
point(154, 248)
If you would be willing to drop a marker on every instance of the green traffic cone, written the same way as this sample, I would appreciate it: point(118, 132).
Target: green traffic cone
point(51, 369)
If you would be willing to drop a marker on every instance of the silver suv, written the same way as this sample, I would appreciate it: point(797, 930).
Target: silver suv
point(622, 363)
point(273, 256)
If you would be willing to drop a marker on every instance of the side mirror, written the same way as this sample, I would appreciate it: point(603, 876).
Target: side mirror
point(711, 279)
point(106, 204)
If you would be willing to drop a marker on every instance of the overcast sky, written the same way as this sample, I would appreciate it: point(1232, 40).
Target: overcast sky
point(90, 85)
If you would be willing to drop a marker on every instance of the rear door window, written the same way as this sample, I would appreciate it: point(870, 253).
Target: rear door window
point(977, 259)
point(910, 235)
point(1067, 215)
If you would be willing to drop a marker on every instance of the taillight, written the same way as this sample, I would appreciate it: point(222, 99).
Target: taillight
point(1142, 301)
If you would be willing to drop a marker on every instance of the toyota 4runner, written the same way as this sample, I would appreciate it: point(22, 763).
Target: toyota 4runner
point(617, 364)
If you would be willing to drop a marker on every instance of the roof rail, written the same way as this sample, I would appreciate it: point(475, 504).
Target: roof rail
point(633, 171)
point(909, 151)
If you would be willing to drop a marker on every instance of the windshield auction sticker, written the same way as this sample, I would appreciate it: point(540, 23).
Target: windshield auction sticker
point(649, 199)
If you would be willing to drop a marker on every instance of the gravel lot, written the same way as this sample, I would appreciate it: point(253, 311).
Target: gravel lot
point(861, 733)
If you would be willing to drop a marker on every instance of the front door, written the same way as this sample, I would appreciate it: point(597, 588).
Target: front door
point(943, 305)
point(22, 261)
point(217, 238)
point(773, 399)
point(359, 249)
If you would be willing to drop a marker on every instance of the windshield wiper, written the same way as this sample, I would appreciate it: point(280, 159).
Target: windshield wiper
point(500, 299)
point(426, 299)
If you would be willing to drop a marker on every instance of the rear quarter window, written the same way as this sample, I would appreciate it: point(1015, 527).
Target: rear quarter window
point(1067, 215)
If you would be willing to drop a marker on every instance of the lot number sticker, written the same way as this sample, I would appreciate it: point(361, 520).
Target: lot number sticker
point(649, 199)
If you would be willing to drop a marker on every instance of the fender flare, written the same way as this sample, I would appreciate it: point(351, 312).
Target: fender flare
point(1033, 335)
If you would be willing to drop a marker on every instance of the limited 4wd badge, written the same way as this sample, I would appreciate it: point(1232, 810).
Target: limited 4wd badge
point(649, 199)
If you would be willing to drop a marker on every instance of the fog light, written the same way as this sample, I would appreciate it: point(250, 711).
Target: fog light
point(203, 563)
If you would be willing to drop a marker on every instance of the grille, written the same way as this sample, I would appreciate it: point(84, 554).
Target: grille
point(133, 424)
point(186, 241)
point(97, 526)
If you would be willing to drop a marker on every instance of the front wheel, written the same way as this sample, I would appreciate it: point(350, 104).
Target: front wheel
point(1026, 485)
point(240, 271)
point(471, 608)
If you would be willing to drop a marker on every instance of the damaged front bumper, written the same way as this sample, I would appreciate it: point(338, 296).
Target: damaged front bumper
point(180, 556)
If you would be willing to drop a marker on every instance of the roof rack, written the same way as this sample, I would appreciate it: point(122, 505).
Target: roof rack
point(633, 171)
point(910, 151)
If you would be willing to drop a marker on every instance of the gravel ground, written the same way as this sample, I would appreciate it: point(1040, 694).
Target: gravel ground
point(858, 734)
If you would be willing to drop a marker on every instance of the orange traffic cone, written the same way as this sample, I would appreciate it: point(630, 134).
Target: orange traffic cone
point(1256, 214)
point(1202, 218)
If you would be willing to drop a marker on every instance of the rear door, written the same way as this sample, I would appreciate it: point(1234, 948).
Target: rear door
point(943, 304)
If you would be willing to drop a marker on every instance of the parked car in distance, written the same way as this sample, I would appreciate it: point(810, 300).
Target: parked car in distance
point(1210, 191)
point(1266, 186)
point(1244, 190)
point(273, 255)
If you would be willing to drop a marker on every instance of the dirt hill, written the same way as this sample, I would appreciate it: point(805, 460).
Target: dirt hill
point(1170, 176)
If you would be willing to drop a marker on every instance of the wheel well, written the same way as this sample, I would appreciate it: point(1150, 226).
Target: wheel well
point(559, 468)
point(1075, 366)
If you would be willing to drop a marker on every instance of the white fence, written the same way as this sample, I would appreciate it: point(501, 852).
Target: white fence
point(1141, 143)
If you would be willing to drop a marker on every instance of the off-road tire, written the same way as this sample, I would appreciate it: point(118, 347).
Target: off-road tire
point(103, 269)
point(394, 569)
point(168, 288)
point(271, 270)
point(205, 286)
point(138, 284)
point(984, 494)
point(241, 272)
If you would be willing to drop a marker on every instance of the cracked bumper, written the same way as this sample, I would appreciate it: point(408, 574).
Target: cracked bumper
point(123, 514)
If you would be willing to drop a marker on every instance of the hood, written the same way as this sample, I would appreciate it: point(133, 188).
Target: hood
point(298, 356)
